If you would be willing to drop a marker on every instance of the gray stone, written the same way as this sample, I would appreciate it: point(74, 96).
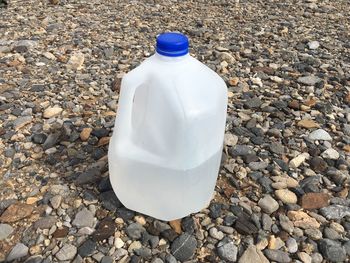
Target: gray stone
point(22, 46)
point(45, 222)
point(330, 154)
point(292, 245)
point(313, 233)
point(67, 252)
point(183, 247)
point(87, 248)
point(21, 121)
point(170, 259)
point(277, 148)
point(253, 254)
point(18, 251)
point(5, 231)
point(255, 166)
point(135, 230)
point(241, 150)
point(253, 103)
point(332, 250)
point(110, 201)
point(107, 259)
point(319, 134)
point(331, 233)
point(309, 80)
point(143, 252)
point(84, 218)
point(268, 204)
point(316, 258)
point(157, 260)
point(227, 250)
point(90, 176)
point(335, 211)
point(34, 259)
point(286, 224)
point(56, 201)
point(277, 255)
point(266, 222)
point(346, 246)
point(9, 152)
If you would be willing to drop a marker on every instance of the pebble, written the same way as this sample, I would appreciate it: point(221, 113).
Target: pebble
point(87, 248)
point(276, 147)
point(85, 134)
point(56, 201)
point(314, 200)
point(252, 254)
point(18, 251)
point(135, 230)
point(316, 258)
point(20, 122)
point(52, 112)
point(330, 154)
point(331, 233)
point(304, 257)
point(309, 80)
point(227, 250)
point(313, 44)
point(335, 211)
point(104, 230)
point(76, 61)
point(286, 196)
point(332, 250)
point(84, 218)
point(286, 224)
point(268, 204)
point(5, 231)
point(215, 233)
point(319, 134)
point(45, 222)
point(183, 247)
point(230, 139)
point(16, 212)
point(118, 242)
point(297, 161)
point(313, 233)
point(292, 245)
point(318, 164)
point(67, 252)
point(277, 255)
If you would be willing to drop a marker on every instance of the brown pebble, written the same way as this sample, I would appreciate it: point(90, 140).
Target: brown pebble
point(61, 232)
point(314, 200)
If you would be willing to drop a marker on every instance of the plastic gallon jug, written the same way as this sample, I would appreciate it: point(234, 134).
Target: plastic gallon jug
point(165, 151)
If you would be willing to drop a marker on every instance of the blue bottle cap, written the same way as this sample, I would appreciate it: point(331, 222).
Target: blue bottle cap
point(172, 44)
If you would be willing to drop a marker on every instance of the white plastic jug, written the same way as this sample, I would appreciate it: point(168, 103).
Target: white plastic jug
point(165, 151)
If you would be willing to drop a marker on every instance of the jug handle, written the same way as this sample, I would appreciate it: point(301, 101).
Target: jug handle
point(129, 86)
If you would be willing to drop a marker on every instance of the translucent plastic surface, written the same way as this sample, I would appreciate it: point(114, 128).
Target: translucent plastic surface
point(166, 147)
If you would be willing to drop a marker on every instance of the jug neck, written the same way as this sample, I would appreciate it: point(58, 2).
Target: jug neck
point(171, 59)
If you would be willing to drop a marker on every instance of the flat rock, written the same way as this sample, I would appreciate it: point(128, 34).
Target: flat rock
point(88, 177)
point(16, 212)
point(184, 247)
point(84, 218)
point(52, 112)
point(45, 222)
point(110, 201)
point(277, 255)
point(318, 164)
point(314, 200)
point(276, 147)
point(87, 248)
point(67, 252)
point(18, 251)
point(286, 196)
point(252, 254)
point(22, 121)
point(308, 124)
point(309, 80)
point(335, 211)
point(268, 204)
point(319, 134)
point(5, 231)
point(302, 220)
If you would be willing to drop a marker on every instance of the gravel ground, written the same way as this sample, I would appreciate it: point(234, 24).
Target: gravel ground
point(283, 190)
